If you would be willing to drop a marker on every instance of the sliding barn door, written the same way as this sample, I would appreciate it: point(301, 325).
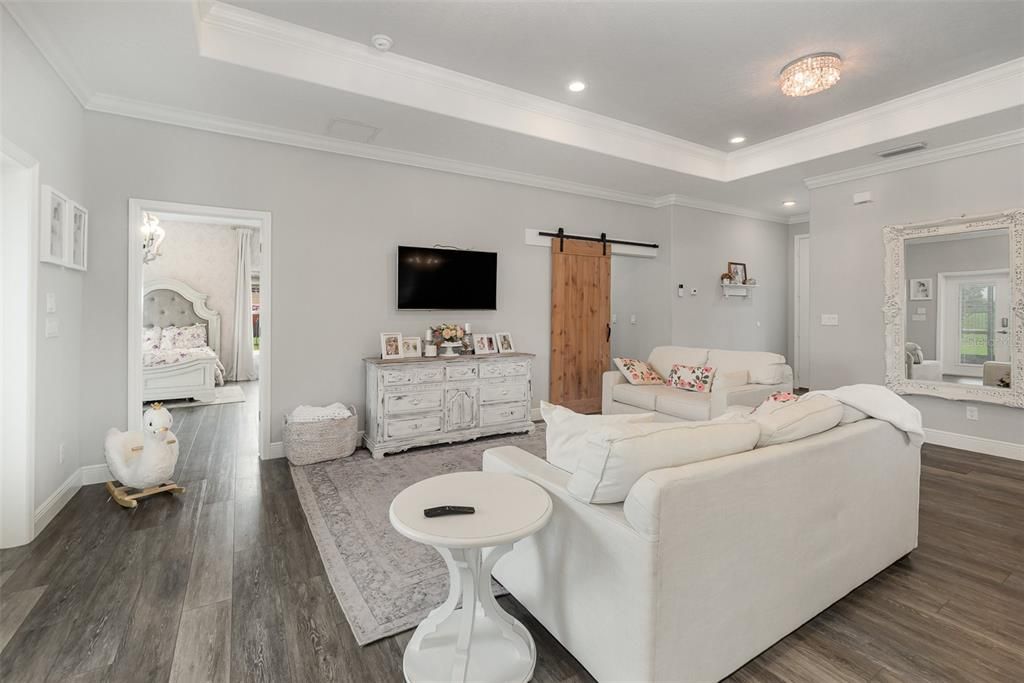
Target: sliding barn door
point(581, 281)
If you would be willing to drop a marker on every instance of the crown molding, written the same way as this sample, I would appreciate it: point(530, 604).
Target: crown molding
point(799, 218)
point(983, 92)
point(929, 156)
point(245, 38)
point(51, 50)
point(716, 207)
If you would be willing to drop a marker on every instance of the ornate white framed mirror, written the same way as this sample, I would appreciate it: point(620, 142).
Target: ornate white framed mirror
point(954, 308)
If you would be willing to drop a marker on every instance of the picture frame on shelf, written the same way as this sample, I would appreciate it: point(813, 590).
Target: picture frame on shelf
point(738, 272)
point(479, 344)
point(78, 244)
point(504, 342)
point(412, 347)
point(53, 226)
point(390, 345)
point(921, 289)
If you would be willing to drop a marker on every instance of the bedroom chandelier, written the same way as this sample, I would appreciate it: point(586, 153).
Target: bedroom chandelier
point(810, 74)
point(152, 236)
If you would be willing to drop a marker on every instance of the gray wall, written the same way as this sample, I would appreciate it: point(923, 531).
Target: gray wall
point(41, 116)
point(847, 264)
point(928, 259)
point(703, 242)
point(337, 222)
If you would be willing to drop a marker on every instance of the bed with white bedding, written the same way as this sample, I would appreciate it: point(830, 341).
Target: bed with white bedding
point(180, 343)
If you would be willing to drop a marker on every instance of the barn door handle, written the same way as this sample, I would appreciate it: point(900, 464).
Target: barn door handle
point(609, 336)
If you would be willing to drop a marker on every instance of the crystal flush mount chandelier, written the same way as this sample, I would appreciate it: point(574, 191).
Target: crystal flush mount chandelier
point(810, 74)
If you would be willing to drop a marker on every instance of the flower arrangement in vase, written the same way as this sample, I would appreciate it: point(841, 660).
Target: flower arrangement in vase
point(448, 335)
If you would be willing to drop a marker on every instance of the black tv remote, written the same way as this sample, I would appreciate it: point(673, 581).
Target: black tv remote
point(444, 510)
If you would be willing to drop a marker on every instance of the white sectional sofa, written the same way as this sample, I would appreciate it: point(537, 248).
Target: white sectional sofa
point(741, 378)
point(706, 565)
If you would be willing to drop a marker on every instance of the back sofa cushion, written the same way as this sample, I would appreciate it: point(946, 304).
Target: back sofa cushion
point(614, 458)
point(731, 361)
point(664, 357)
point(782, 422)
point(767, 374)
point(567, 431)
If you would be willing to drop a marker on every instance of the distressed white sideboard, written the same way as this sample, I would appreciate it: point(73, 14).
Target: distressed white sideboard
point(423, 401)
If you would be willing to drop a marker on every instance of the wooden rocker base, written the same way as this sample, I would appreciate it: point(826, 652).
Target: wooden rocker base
point(122, 497)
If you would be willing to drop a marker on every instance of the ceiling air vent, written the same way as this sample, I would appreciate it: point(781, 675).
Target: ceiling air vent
point(905, 149)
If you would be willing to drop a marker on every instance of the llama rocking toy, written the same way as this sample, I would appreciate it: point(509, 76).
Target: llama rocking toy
point(143, 461)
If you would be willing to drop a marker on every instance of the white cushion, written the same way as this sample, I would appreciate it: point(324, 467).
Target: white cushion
point(793, 420)
point(640, 395)
point(567, 431)
point(614, 458)
point(728, 361)
point(767, 374)
point(688, 405)
point(664, 357)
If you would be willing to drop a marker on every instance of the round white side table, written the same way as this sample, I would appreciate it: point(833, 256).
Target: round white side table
point(481, 642)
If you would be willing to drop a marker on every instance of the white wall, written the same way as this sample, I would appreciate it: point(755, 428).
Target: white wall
point(847, 264)
point(337, 224)
point(41, 116)
point(205, 257)
point(703, 242)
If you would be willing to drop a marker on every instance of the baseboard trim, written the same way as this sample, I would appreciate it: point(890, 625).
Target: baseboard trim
point(535, 415)
point(45, 513)
point(979, 444)
point(95, 474)
point(276, 451)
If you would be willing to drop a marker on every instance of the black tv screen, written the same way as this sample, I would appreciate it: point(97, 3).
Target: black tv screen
point(447, 279)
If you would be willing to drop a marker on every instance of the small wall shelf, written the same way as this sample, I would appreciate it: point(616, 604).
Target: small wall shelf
point(736, 290)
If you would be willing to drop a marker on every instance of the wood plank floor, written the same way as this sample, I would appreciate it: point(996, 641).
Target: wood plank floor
point(224, 583)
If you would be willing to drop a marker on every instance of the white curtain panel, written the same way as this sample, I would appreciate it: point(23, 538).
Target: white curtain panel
point(243, 364)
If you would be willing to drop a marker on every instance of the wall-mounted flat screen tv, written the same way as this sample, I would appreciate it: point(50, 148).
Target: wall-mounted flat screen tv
point(447, 279)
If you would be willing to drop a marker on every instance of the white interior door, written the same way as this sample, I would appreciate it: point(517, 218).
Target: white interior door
point(802, 311)
point(975, 321)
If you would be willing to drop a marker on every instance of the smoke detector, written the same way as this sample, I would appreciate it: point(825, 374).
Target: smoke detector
point(382, 42)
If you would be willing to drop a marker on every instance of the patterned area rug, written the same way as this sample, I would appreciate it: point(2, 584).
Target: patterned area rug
point(385, 583)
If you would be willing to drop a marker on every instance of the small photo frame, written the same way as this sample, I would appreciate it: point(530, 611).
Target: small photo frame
point(390, 345)
point(485, 344)
point(78, 246)
point(504, 340)
point(738, 272)
point(921, 289)
point(412, 347)
point(53, 226)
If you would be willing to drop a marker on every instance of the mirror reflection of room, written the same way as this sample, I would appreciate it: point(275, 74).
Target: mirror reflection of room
point(958, 308)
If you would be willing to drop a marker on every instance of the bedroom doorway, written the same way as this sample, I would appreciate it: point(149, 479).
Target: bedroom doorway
point(199, 291)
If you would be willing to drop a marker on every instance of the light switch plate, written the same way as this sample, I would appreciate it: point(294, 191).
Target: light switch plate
point(921, 310)
point(917, 317)
point(51, 302)
point(972, 412)
point(830, 319)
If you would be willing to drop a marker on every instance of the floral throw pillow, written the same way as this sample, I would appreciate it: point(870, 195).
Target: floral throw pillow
point(691, 377)
point(191, 337)
point(779, 398)
point(638, 372)
point(150, 339)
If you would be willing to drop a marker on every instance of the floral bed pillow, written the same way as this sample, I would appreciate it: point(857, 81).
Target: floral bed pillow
point(638, 372)
point(191, 337)
point(150, 339)
point(691, 377)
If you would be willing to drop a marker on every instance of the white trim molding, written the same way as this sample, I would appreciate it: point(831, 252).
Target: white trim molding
point(930, 156)
point(95, 474)
point(894, 238)
point(45, 513)
point(978, 444)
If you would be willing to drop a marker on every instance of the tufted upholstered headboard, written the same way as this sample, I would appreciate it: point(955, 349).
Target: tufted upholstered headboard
point(167, 302)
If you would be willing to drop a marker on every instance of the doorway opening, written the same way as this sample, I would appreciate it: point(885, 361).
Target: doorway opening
point(801, 311)
point(199, 292)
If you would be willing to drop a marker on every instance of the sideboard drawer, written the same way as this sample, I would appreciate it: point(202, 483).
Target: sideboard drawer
point(435, 374)
point(394, 429)
point(503, 369)
point(412, 402)
point(502, 393)
point(498, 414)
point(462, 371)
point(393, 376)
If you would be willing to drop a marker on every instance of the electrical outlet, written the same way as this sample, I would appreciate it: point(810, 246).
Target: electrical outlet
point(632, 319)
point(51, 302)
point(972, 412)
point(60, 454)
point(830, 319)
point(52, 328)
point(615, 318)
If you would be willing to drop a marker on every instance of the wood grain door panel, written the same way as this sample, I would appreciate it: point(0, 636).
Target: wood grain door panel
point(580, 322)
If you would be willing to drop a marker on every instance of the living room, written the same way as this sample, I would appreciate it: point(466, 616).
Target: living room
point(663, 133)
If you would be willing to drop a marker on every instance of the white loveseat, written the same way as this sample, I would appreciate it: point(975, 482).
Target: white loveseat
point(706, 565)
point(741, 378)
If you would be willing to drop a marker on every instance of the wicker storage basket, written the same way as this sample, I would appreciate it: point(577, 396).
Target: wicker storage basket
point(308, 442)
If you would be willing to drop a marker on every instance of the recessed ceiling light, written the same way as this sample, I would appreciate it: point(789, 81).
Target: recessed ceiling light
point(382, 42)
point(737, 140)
point(577, 86)
point(789, 202)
